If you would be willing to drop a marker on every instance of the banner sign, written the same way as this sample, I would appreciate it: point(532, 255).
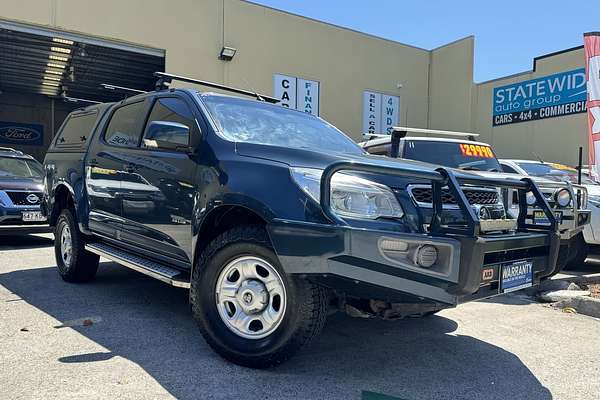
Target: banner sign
point(546, 97)
point(12, 133)
point(592, 64)
point(380, 112)
point(299, 94)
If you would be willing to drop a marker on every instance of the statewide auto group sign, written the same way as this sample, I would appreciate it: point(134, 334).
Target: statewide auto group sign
point(12, 133)
point(546, 97)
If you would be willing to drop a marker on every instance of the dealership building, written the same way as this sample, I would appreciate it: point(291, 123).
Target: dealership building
point(53, 52)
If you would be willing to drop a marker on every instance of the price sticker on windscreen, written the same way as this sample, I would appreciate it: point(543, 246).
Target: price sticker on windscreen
point(475, 150)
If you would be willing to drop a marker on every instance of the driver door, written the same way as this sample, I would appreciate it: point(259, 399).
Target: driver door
point(158, 187)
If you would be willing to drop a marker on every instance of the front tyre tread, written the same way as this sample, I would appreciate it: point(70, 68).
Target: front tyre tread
point(304, 318)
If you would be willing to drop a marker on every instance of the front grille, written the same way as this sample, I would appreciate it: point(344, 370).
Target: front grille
point(23, 199)
point(474, 196)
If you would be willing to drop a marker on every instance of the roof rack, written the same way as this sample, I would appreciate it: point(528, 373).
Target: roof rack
point(164, 79)
point(78, 100)
point(399, 132)
point(403, 131)
point(121, 89)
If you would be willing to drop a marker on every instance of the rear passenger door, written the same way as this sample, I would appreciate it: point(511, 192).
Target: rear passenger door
point(105, 163)
point(158, 188)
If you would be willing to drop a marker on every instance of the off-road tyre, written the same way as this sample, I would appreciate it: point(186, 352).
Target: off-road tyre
point(580, 253)
point(303, 319)
point(82, 265)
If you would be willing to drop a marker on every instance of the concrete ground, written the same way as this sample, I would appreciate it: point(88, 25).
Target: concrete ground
point(143, 344)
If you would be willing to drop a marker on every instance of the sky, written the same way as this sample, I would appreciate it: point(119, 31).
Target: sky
point(508, 34)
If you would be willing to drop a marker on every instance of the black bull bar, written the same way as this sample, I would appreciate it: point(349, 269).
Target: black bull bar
point(445, 177)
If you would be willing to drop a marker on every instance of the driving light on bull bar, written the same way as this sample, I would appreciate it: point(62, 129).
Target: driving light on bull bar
point(426, 256)
point(530, 198)
point(351, 196)
point(562, 197)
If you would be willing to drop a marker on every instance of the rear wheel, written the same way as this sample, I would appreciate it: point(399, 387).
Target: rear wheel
point(75, 264)
point(248, 310)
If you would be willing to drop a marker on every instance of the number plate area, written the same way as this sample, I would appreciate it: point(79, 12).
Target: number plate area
point(516, 276)
point(33, 216)
point(539, 217)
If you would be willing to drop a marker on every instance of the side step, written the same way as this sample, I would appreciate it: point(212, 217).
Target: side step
point(158, 271)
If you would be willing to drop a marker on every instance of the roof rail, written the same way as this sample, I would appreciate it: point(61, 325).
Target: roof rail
point(78, 100)
point(121, 89)
point(164, 79)
point(11, 150)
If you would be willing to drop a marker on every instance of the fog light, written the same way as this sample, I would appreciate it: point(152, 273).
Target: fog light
point(562, 197)
point(530, 198)
point(426, 256)
point(393, 245)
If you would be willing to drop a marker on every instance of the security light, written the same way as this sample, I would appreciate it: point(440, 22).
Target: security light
point(62, 41)
point(53, 72)
point(57, 49)
point(58, 58)
point(227, 53)
point(55, 65)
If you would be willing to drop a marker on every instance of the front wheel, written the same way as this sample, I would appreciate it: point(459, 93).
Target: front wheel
point(248, 310)
point(580, 253)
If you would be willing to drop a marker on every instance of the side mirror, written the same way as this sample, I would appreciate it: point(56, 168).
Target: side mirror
point(167, 135)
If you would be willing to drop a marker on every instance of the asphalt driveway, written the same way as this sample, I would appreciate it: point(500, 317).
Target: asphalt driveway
point(128, 336)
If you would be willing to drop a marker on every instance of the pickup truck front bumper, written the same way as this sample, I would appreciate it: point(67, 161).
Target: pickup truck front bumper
point(470, 269)
point(380, 264)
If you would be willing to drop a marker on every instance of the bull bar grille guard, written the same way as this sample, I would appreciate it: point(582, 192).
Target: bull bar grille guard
point(440, 178)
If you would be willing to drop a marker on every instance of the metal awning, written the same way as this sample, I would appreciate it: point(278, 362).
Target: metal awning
point(55, 63)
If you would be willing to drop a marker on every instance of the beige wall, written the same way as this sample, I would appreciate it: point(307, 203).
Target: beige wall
point(451, 81)
point(553, 139)
point(345, 62)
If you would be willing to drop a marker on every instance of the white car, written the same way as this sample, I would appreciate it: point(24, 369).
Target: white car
point(459, 150)
point(560, 172)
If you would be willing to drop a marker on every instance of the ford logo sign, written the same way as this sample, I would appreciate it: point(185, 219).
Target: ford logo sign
point(33, 199)
point(13, 133)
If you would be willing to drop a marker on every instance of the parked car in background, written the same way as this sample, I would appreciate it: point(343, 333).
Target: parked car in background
point(459, 150)
point(561, 173)
point(270, 216)
point(21, 191)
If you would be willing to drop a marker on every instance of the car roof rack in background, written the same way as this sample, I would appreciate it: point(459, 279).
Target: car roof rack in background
point(164, 79)
point(19, 152)
point(122, 89)
point(402, 131)
point(399, 132)
point(78, 100)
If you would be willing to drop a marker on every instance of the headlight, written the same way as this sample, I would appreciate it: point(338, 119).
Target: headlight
point(530, 198)
point(562, 197)
point(351, 196)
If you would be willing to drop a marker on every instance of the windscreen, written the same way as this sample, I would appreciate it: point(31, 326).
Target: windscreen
point(19, 168)
point(555, 172)
point(251, 121)
point(465, 156)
